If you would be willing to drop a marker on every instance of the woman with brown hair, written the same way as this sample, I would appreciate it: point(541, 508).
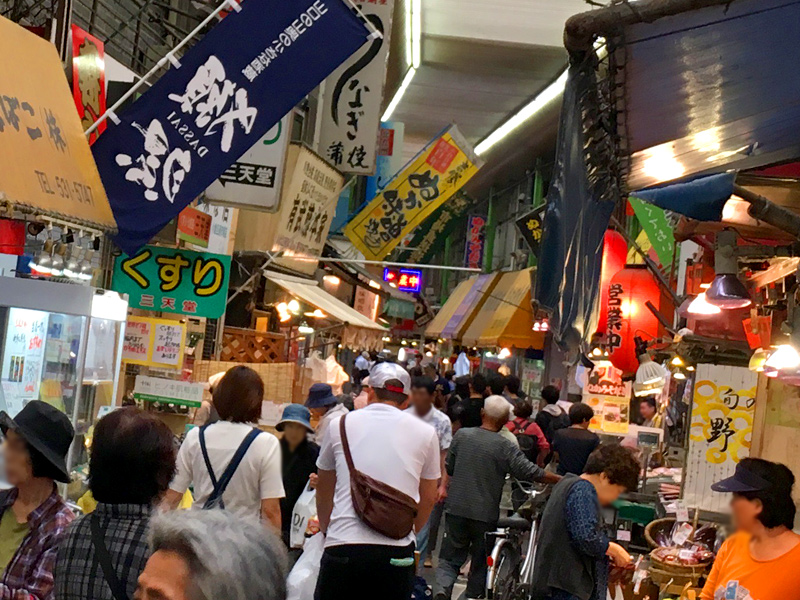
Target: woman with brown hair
point(231, 464)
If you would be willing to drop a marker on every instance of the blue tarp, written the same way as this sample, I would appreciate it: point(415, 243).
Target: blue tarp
point(702, 199)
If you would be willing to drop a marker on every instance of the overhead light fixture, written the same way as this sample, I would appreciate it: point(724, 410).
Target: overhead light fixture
point(504, 353)
point(429, 354)
point(650, 376)
point(416, 33)
point(488, 354)
point(331, 279)
point(700, 306)
point(317, 314)
point(727, 291)
point(404, 343)
point(374, 284)
point(293, 306)
point(386, 339)
point(758, 360)
point(398, 95)
point(445, 361)
point(401, 355)
point(785, 357)
point(547, 95)
point(305, 329)
point(414, 344)
point(677, 361)
point(679, 375)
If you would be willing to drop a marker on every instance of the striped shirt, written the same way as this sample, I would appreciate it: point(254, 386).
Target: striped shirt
point(477, 464)
point(78, 574)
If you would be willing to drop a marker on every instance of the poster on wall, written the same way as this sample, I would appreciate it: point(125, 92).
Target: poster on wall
point(721, 431)
point(254, 181)
point(174, 280)
point(154, 342)
point(440, 169)
point(88, 79)
point(23, 355)
point(351, 102)
point(532, 378)
point(222, 221)
point(609, 397)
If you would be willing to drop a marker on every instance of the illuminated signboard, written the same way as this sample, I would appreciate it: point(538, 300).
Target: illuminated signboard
point(406, 280)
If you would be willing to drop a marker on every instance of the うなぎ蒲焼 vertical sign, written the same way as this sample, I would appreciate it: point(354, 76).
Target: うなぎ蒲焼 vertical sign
point(228, 91)
point(351, 103)
point(721, 431)
point(45, 158)
point(435, 174)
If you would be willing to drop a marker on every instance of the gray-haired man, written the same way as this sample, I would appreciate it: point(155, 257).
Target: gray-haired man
point(477, 464)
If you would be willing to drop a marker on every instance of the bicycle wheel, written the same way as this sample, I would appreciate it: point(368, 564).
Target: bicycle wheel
point(507, 578)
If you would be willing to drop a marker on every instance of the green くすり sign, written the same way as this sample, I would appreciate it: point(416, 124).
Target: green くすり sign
point(174, 280)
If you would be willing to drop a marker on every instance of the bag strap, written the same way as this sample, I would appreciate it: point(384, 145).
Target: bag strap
point(215, 498)
point(346, 445)
point(101, 551)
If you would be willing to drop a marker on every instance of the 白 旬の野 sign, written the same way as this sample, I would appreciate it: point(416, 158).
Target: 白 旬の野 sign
point(435, 174)
point(174, 280)
point(154, 342)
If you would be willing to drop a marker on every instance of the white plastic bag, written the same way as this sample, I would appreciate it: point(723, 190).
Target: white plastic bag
point(302, 580)
point(304, 509)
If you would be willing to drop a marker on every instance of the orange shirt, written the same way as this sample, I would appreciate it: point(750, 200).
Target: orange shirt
point(736, 576)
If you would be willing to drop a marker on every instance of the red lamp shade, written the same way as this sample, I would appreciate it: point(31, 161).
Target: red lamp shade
point(615, 254)
point(12, 237)
point(628, 316)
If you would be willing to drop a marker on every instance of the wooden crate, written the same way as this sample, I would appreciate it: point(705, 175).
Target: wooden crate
point(278, 377)
point(251, 346)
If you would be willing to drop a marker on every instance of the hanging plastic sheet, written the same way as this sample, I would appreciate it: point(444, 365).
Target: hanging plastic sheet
point(574, 225)
point(702, 199)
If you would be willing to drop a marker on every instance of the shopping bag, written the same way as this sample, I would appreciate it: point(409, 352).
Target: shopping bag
point(302, 579)
point(304, 509)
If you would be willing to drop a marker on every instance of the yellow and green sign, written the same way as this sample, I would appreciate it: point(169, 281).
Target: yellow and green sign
point(174, 280)
point(438, 172)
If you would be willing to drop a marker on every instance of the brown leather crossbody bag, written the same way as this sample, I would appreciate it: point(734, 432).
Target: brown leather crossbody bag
point(385, 509)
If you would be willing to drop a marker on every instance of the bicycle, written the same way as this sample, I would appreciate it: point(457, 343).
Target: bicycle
point(510, 572)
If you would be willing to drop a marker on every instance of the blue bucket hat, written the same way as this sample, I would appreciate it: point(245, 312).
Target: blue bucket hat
point(295, 413)
point(320, 395)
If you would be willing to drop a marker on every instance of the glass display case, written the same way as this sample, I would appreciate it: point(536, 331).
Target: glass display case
point(61, 344)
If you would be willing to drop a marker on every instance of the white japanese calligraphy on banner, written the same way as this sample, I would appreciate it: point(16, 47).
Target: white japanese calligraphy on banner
point(352, 98)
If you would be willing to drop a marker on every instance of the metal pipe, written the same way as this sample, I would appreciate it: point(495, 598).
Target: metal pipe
point(445, 292)
point(762, 209)
point(357, 261)
point(491, 225)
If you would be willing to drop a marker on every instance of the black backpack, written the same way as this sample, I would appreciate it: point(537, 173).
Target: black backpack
point(529, 444)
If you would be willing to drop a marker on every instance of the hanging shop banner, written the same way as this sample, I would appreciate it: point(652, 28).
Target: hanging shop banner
point(531, 227)
point(437, 172)
point(88, 79)
point(174, 280)
point(389, 159)
point(721, 431)
point(658, 229)
point(194, 226)
point(301, 226)
point(351, 102)
point(46, 161)
point(230, 89)
point(154, 342)
point(427, 237)
point(168, 391)
point(366, 302)
point(254, 180)
point(476, 234)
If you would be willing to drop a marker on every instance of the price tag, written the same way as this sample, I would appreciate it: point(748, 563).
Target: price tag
point(686, 555)
point(623, 535)
point(682, 535)
point(681, 512)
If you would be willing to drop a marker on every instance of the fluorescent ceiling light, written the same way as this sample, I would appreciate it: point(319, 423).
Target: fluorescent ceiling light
point(547, 95)
point(399, 94)
point(416, 33)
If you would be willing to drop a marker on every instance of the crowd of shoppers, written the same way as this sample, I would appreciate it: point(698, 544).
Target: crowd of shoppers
point(386, 475)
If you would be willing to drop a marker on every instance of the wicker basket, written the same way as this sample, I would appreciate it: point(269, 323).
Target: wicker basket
point(654, 527)
point(662, 573)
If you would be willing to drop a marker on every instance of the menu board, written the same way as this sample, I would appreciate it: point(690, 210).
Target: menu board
point(154, 342)
point(609, 397)
point(23, 354)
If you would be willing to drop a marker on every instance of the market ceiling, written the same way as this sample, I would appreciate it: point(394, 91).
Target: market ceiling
point(481, 62)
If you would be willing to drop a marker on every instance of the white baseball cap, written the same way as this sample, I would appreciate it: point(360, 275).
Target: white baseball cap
point(385, 372)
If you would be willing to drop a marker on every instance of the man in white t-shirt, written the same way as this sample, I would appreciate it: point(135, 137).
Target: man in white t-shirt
point(256, 486)
point(395, 448)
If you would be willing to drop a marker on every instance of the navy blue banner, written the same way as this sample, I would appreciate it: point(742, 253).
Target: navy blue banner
point(237, 82)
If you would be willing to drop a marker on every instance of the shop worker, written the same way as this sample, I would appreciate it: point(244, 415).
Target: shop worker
point(207, 413)
point(131, 464)
point(648, 408)
point(325, 407)
point(477, 464)
point(574, 444)
point(398, 450)
point(762, 559)
point(299, 460)
point(212, 555)
point(33, 517)
point(574, 552)
point(231, 463)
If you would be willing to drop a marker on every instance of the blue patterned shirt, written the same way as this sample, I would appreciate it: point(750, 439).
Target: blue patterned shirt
point(582, 515)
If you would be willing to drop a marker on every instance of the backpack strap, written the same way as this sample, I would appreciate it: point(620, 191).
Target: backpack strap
point(346, 446)
point(214, 500)
point(101, 552)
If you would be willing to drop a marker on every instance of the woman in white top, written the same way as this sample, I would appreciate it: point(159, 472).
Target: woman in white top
point(254, 486)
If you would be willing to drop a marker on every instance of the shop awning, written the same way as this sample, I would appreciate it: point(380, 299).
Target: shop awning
point(457, 313)
point(506, 317)
point(359, 331)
